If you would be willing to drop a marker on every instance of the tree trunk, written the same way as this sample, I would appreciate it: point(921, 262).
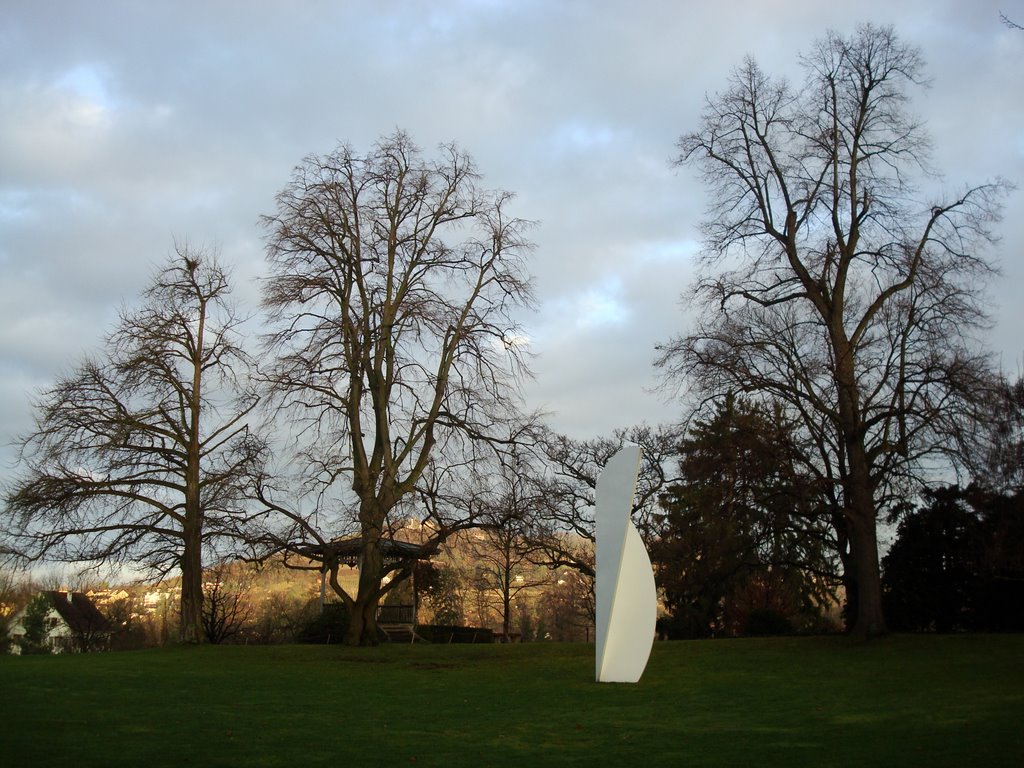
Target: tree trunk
point(191, 630)
point(861, 514)
point(861, 518)
point(849, 579)
point(362, 628)
point(506, 612)
point(192, 528)
point(869, 620)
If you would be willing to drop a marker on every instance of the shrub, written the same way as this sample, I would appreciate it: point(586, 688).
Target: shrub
point(762, 622)
point(327, 628)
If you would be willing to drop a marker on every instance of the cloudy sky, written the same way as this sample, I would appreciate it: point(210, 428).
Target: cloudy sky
point(125, 125)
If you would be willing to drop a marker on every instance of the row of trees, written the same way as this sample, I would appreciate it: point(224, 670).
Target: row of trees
point(845, 311)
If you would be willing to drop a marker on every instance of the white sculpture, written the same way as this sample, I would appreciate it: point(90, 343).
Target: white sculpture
point(627, 601)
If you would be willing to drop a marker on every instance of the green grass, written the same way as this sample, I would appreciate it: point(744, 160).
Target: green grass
point(930, 701)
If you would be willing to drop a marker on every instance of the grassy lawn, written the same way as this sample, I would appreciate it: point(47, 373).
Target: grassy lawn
point(929, 701)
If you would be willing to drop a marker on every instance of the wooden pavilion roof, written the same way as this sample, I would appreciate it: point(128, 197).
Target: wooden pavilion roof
point(348, 550)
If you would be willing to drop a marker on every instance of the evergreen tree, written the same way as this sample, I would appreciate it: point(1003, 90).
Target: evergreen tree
point(34, 623)
point(741, 530)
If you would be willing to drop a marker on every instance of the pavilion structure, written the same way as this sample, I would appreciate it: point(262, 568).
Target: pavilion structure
point(397, 621)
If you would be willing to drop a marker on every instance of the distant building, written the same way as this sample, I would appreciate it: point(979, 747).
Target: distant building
point(73, 625)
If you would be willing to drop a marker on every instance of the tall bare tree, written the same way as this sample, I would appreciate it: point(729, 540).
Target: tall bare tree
point(137, 456)
point(395, 282)
point(829, 286)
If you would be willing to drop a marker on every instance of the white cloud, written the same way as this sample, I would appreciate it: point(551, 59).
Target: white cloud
point(88, 84)
point(575, 135)
point(601, 305)
point(56, 131)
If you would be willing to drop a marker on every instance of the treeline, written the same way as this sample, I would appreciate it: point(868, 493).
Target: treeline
point(740, 541)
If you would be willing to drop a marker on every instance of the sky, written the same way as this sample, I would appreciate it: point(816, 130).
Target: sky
point(125, 126)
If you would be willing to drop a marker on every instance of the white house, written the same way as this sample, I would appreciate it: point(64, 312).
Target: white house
point(73, 624)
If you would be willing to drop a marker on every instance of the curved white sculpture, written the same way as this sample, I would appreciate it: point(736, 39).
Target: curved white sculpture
point(627, 601)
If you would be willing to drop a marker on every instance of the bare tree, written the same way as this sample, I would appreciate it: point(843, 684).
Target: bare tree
point(138, 456)
point(502, 549)
point(829, 287)
point(566, 608)
point(227, 605)
point(395, 281)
